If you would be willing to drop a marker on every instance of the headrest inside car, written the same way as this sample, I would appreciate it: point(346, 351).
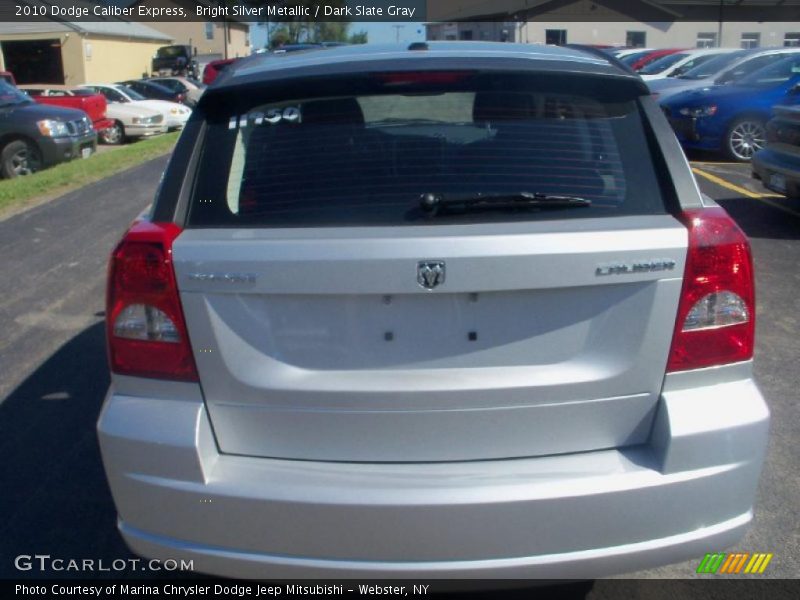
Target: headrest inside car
point(501, 106)
point(345, 111)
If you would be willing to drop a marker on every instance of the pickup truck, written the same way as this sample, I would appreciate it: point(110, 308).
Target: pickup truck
point(174, 60)
point(91, 103)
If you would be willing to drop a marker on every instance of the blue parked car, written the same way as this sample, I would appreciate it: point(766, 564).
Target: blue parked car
point(732, 118)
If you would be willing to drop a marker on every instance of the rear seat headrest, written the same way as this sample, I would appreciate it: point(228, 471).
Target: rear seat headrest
point(501, 106)
point(333, 111)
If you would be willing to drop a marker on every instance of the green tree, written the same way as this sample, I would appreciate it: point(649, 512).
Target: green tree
point(279, 37)
point(327, 31)
point(359, 37)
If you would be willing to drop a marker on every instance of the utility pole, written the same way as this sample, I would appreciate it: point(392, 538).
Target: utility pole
point(719, 28)
point(397, 29)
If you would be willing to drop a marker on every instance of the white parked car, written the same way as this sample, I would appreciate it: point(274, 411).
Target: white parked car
point(620, 54)
point(175, 115)
point(131, 121)
point(676, 64)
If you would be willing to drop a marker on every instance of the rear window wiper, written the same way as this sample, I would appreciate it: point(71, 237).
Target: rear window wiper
point(433, 204)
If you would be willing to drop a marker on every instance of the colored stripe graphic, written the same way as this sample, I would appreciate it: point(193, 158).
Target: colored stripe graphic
point(734, 563)
point(711, 563)
point(723, 563)
point(732, 558)
point(758, 563)
point(741, 562)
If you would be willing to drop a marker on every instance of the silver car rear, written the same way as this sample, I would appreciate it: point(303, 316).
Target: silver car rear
point(441, 313)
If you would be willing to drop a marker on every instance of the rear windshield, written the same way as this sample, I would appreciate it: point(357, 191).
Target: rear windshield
point(171, 51)
point(367, 159)
point(774, 74)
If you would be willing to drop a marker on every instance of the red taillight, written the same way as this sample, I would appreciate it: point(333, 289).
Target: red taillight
point(716, 315)
point(423, 77)
point(145, 327)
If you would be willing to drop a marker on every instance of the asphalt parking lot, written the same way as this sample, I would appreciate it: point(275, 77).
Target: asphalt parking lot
point(53, 372)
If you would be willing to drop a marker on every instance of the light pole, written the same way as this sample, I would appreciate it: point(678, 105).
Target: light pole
point(397, 29)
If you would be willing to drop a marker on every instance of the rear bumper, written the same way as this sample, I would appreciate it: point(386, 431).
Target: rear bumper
point(137, 131)
point(689, 491)
point(176, 121)
point(103, 123)
point(773, 160)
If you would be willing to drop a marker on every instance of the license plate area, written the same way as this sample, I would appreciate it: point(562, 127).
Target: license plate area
point(428, 330)
point(777, 182)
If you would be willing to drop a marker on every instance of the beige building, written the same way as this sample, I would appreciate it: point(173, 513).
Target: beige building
point(73, 53)
point(229, 39)
point(653, 23)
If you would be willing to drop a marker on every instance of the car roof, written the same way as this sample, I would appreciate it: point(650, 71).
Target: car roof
point(48, 86)
point(146, 82)
point(771, 49)
point(359, 58)
point(702, 51)
point(114, 86)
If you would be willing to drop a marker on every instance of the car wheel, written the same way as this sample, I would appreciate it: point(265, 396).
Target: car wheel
point(745, 137)
point(113, 135)
point(20, 158)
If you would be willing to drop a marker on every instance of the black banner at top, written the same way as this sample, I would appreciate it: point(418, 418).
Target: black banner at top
point(443, 11)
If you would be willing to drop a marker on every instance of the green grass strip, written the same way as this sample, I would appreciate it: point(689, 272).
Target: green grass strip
point(64, 177)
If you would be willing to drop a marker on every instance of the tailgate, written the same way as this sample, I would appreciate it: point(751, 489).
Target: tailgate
point(542, 337)
point(94, 106)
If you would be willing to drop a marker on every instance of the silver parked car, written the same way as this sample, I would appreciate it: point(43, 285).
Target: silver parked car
point(456, 310)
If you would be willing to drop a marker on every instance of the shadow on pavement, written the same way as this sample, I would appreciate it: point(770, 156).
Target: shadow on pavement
point(759, 219)
point(707, 156)
point(55, 498)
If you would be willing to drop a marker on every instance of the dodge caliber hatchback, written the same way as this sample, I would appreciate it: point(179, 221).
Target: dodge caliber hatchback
point(447, 311)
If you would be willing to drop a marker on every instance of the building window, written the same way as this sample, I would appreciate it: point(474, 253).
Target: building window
point(791, 39)
point(465, 35)
point(636, 39)
point(557, 37)
point(706, 40)
point(209, 30)
point(751, 40)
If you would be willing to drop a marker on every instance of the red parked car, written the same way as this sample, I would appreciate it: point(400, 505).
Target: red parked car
point(67, 96)
point(214, 68)
point(642, 61)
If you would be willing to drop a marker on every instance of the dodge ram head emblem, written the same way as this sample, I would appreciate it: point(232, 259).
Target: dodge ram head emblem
point(430, 273)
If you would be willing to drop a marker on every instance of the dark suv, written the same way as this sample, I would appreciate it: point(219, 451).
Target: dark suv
point(34, 136)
